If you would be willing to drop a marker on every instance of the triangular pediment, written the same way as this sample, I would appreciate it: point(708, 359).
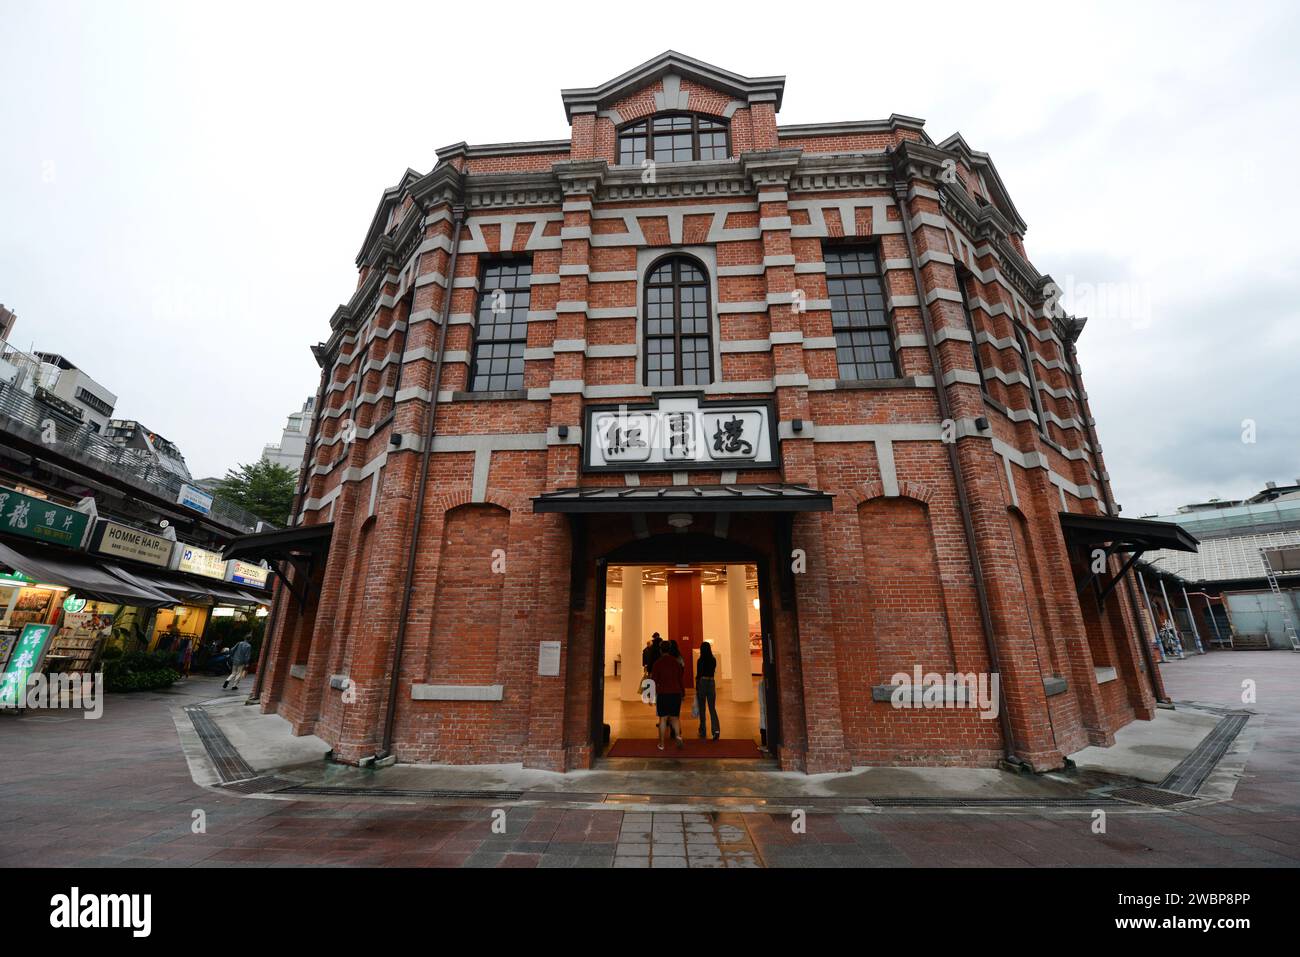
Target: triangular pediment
point(673, 64)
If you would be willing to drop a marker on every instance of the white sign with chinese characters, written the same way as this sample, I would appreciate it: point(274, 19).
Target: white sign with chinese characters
point(200, 561)
point(680, 432)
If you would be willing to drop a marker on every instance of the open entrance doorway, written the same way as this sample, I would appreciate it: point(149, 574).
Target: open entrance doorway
point(691, 604)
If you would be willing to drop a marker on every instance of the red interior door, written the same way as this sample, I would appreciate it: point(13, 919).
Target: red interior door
point(685, 617)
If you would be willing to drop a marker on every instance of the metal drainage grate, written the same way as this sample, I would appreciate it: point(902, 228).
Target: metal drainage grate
point(1153, 797)
point(261, 785)
point(323, 789)
point(230, 764)
point(1192, 771)
point(1046, 802)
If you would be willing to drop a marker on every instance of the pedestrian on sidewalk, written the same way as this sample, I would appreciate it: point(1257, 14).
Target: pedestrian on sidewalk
point(239, 658)
point(668, 675)
point(706, 690)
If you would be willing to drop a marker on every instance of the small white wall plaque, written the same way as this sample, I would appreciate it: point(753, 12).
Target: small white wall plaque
point(548, 659)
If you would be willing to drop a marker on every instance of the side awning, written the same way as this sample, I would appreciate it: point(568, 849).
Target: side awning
point(281, 544)
point(141, 580)
point(1113, 536)
point(685, 498)
point(1126, 534)
point(303, 547)
point(85, 578)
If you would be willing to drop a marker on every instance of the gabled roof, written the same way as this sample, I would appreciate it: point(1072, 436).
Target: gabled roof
point(750, 89)
point(379, 222)
point(981, 163)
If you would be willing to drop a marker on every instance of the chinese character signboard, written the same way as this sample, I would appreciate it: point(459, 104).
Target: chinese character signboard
point(25, 658)
point(200, 561)
point(680, 432)
point(44, 521)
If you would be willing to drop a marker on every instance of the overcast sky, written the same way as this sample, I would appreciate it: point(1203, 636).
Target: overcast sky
point(184, 187)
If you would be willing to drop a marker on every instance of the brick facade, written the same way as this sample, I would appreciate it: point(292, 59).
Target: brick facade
point(891, 576)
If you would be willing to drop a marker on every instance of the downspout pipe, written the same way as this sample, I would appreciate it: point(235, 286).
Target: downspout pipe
point(1134, 609)
point(963, 502)
point(386, 749)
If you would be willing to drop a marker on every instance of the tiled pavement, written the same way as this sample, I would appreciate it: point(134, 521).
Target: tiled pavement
point(117, 791)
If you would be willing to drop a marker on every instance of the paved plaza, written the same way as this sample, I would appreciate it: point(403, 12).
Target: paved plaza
point(121, 791)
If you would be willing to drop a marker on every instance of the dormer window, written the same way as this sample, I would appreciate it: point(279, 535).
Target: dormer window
point(673, 138)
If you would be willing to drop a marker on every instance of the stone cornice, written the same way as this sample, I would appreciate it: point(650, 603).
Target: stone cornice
point(526, 148)
point(1070, 328)
point(918, 161)
point(502, 190)
point(770, 168)
point(580, 177)
point(443, 184)
point(840, 171)
point(893, 124)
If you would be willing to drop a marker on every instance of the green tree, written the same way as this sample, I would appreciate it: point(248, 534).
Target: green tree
point(263, 488)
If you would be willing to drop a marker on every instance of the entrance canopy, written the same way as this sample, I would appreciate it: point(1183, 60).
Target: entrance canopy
point(303, 547)
point(1126, 534)
point(685, 498)
point(1120, 535)
point(281, 544)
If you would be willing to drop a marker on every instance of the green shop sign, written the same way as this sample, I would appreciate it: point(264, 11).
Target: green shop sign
point(44, 521)
point(26, 657)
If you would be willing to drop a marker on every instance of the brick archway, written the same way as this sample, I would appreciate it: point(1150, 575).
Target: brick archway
point(866, 491)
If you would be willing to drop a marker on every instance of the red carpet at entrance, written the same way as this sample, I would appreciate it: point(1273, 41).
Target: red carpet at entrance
point(695, 748)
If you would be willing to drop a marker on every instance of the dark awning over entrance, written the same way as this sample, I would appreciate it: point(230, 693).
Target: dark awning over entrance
point(1126, 534)
point(303, 547)
point(282, 543)
point(685, 498)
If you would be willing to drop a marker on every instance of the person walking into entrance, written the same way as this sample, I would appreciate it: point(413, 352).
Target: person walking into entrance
point(667, 673)
point(239, 658)
point(706, 690)
point(651, 652)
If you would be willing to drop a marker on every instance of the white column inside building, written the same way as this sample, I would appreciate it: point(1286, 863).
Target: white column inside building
point(630, 679)
point(742, 688)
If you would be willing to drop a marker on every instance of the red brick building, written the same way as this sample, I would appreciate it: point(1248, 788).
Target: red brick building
point(689, 348)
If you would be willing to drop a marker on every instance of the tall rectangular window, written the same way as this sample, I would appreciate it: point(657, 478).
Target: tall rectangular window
point(501, 330)
point(1027, 360)
point(963, 284)
point(863, 340)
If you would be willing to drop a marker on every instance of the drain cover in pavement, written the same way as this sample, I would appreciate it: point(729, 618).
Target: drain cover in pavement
point(1192, 771)
point(262, 785)
point(324, 789)
point(1153, 797)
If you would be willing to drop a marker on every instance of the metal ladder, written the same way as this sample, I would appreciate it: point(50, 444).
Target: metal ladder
point(1288, 626)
